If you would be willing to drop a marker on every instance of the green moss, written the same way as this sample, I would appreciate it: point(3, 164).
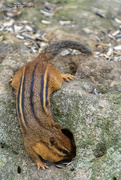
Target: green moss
point(106, 167)
point(106, 24)
point(115, 97)
point(64, 15)
point(103, 88)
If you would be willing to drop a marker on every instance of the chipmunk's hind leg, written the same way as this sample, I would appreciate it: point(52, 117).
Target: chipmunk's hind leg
point(67, 77)
point(15, 80)
point(34, 155)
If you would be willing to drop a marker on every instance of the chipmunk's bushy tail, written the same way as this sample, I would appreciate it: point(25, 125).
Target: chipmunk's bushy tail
point(55, 48)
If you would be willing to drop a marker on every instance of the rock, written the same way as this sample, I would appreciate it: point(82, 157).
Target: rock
point(93, 119)
point(95, 122)
point(4, 50)
point(99, 70)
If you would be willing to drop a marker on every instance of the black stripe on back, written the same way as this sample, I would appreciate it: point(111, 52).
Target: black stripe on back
point(23, 90)
point(47, 90)
point(32, 93)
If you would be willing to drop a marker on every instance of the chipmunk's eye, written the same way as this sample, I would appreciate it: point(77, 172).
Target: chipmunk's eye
point(63, 151)
point(52, 141)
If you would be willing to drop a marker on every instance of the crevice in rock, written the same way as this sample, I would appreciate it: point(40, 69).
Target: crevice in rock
point(100, 150)
point(1, 145)
point(19, 169)
point(73, 68)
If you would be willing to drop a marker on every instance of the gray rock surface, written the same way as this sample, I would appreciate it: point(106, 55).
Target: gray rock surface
point(93, 119)
point(90, 106)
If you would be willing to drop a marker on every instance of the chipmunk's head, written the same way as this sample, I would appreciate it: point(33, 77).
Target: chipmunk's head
point(61, 146)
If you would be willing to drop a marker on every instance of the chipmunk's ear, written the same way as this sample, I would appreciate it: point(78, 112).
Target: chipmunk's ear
point(57, 126)
point(52, 141)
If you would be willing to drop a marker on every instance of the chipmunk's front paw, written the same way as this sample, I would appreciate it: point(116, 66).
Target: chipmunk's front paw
point(41, 165)
point(67, 77)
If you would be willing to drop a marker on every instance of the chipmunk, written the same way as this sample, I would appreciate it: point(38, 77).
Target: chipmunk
point(34, 83)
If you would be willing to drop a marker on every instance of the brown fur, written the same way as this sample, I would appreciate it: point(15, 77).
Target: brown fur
point(34, 83)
